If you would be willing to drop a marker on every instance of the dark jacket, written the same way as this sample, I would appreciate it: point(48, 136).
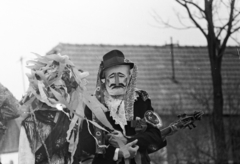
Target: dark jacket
point(148, 141)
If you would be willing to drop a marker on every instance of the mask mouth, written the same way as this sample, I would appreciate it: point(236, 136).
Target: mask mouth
point(114, 86)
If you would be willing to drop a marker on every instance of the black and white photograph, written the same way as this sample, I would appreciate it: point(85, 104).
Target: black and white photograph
point(120, 82)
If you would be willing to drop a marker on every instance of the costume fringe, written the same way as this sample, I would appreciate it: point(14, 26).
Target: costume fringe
point(130, 96)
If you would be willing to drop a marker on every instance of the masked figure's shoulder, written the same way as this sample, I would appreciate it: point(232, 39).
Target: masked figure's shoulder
point(142, 94)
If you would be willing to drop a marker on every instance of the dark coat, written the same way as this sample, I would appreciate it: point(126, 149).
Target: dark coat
point(148, 141)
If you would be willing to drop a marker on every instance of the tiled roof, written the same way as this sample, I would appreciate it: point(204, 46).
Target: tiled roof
point(192, 72)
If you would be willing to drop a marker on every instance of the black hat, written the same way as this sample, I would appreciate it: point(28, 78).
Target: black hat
point(113, 58)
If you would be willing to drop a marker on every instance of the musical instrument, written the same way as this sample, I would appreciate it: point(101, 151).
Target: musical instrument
point(184, 121)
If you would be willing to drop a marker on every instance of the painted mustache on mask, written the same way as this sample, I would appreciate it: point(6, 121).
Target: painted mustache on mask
point(120, 85)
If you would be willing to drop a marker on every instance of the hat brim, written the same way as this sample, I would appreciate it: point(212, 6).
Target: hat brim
point(102, 75)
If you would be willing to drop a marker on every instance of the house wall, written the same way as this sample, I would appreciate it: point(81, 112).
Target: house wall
point(9, 158)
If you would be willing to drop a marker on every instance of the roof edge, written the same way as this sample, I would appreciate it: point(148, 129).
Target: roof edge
point(128, 45)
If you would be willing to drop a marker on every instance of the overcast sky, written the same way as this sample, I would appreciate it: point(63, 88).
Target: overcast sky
point(38, 26)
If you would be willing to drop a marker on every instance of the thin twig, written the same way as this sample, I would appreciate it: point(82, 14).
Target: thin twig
point(191, 17)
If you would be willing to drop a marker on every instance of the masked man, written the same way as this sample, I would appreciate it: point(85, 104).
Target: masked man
point(126, 107)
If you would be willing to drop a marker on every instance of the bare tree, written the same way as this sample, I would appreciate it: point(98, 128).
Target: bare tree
point(217, 30)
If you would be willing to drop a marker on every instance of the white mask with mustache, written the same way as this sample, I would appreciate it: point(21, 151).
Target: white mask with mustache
point(116, 79)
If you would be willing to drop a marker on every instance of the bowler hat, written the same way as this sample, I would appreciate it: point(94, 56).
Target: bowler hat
point(113, 58)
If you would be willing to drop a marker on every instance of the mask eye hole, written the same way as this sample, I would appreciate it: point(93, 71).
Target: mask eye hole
point(121, 75)
point(111, 76)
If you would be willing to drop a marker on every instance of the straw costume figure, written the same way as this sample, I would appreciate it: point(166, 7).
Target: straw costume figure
point(53, 111)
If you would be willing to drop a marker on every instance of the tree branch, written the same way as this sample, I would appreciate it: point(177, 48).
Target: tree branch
point(222, 28)
point(236, 22)
point(166, 24)
point(191, 17)
point(195, 5)
point(235, 30)
point(238, 13)
point(229, 20)
point(180, 21)
point(199, 17)
point(198, 7)
point(223, 46)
